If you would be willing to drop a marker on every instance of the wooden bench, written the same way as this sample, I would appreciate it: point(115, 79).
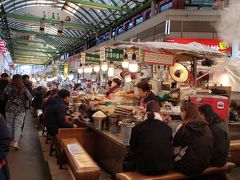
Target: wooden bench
point(82, 165)
point(172, 175)
point(235, 152)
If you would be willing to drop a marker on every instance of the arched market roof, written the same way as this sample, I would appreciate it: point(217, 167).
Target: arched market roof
point(21, 21)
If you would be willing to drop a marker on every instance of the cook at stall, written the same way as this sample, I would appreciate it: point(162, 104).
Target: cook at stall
point(145, 93)
point(115, 87)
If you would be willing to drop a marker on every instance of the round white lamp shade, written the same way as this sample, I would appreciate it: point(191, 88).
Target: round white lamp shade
point(80, 70)
point(104, 67)
point(88, 69)
point(96, 68)
point(133, 66)
point(125, 64)
point(111, 71)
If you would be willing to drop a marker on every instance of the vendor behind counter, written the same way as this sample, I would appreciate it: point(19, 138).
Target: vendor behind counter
point(144, 91)
point(114, 88)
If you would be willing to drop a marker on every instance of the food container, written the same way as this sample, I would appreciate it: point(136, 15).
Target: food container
point(99, 122)
point(113, 124)
point(126, 130)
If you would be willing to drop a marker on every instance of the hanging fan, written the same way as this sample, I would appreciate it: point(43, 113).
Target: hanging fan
point(178, 72)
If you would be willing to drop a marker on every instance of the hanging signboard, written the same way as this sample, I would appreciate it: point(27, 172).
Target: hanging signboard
point(61, 68)
point(102, 54)
point(114, 54)
point(65, 72)
point(3, 49)
point(92, 57)
point(162, 58)
point(3, 43)
point(83, 58)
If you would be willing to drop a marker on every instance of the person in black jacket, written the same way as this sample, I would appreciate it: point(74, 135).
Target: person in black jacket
point(27, 83)
point(55, 113)
point(195, 140)
point(5, 140)
point(144, 91)
point(220, 133)
point(151, 150)
point(4, 81)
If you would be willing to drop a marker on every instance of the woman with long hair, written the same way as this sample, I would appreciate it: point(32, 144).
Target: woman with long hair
point(220, 134)
point(16, 95)
point(194, 140)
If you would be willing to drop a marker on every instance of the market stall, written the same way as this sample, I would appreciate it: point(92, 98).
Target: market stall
point(176, 73)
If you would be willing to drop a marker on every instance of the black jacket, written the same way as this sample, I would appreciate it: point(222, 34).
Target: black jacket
point(196, 142)
point(38, 101)
point(3, 85)
point(28, 85)
point(220, 144)
point(150, 148)
point(54, 116)
point(5, 139)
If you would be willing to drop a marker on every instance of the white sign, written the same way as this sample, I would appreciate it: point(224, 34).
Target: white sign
point(102, 54)
point(158, 58)
point(83, 58)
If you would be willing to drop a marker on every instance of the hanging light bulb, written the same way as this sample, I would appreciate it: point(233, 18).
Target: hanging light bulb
point(104, 66)
point(111, 70)
point(133, 66)
point(125, 62)
point(80, 70)
point(88, 69)
point(96, 68)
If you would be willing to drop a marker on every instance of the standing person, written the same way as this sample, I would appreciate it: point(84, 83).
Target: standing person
point(144, 91)
point(195, 140)
point(55, 113)
point(151, 150)
point(16, 96)
point(220, 133)
point(5, 140)
point(114, 88)
point(27, 83)
point(4, 80)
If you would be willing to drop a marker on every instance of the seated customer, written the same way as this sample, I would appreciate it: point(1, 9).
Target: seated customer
point(114, 88)
point(195, 140)
point(151, 150)
point(220, 135)
point(54, 116)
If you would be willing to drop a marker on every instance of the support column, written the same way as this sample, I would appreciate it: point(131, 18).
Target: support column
point(153, 8)
point(235, 51)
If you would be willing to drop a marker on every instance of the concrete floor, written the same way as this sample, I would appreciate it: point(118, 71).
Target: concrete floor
point(28, 162)
point(32, 161)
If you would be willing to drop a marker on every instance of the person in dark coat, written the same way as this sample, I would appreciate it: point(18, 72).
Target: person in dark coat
point(220, 133)
point(4, 81)
point(144, 91)
point(5, 140)
point(38, 99)
point(55, 113)
point(151, 149)
point(27, 83)
point(195, 141)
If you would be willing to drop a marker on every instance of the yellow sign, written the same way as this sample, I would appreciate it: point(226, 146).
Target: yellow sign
point(65, 72)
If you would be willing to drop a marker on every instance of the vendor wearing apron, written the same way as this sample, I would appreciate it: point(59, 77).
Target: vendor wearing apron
point(115, 87)
point(144, 91)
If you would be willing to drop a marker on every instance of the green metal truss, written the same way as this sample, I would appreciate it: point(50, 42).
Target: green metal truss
point(31, 62)
point(48, 21)
point(36, 48)
point(24, 53)
point(36, 42)
point(45, 34)
point(95, 5)
point(32, 57)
